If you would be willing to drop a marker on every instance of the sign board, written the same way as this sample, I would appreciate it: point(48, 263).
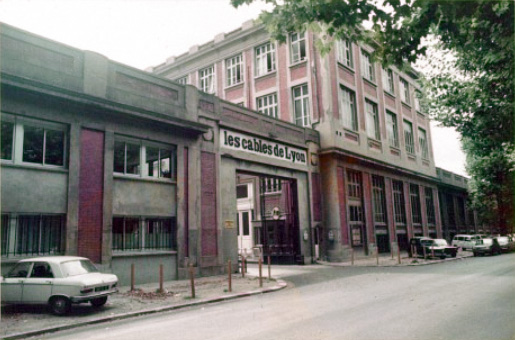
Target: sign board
point(262, 147)
point(229, 224)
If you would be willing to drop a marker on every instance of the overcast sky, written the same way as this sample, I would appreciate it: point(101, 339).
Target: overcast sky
point(143, 33)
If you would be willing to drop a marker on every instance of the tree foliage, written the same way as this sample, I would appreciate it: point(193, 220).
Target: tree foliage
point(472, 92)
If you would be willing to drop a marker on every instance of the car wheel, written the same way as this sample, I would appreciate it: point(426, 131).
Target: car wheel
point(99, 302)
point(60, 305)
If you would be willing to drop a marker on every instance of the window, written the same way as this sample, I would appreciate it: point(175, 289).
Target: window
point(32, 234)
point(345, 53)
point(207, 79)
point(7, 140)
point(422, 139)
point(133, 157)
point(391, 129)
point(234, 69)
point(418, 96)
point(367, 66)
point(354, 184)
point(301, 105)
point(297, 47)
point(404, 88)
point(183, 80)
point(372, 120)
point(388, 81)
point(348, 109)
point(242, 191)
point(408, 137)
point(430, 207)
point(449, 200)
point(379, 199)
point(398, 202)
point(265, 59)
point(143, 233)
point(273, 185)
point(415, 204)
point(267, 105)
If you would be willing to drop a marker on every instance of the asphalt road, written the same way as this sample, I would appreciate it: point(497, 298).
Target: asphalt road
point(466, 299)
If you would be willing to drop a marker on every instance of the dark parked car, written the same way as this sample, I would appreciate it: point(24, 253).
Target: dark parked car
point(417, 245)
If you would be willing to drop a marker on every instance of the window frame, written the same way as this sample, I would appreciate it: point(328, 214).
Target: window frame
point(416, 99)
point(423, 142)
point(388, 81)
point(368, 67)
point(140, 242)
point(409, 137)
point(262, 53)
point(203, 78)
point(393, 141)
point(348, 118)
point(305, 117)
point(372, 116)
point(183, 80)
point(234, 70)
point(269, 107)
point(345, 55)
point(300, 44)
point(405, 91)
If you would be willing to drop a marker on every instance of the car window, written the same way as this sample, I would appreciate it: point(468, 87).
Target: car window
point(20, 270)
point(78, 267)
point(41, 269)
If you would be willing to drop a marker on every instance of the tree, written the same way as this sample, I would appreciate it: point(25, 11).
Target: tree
point(472, 93)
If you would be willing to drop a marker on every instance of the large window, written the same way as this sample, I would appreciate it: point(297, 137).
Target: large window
point(272, 185)
point(265, 59)
point(399, 207)
point(267, 105)
point(367, 66)
point(372, 120)
point(391, 129)
point(345, 53)
point(418, 96)
point(297, 47)
point(234, 70)
point(143, 233)
point(388, 81)
point(416, 213)
point(422, 139)
point(32, 234)
point(354, 184)
point(430, 206)
point(408, 137)
point(301, 105)
point(133, 157)
point(348, 109)
point(404, 89)
point(207, 79)
point(183, 80)
point(378, 195)
point(41, 142)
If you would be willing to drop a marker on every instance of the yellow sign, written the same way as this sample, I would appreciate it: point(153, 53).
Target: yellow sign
point(229, 224)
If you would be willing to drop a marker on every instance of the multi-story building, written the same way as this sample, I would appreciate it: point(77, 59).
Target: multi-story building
point(378, 177)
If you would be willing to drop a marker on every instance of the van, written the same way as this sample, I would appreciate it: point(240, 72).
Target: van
point(465, 241)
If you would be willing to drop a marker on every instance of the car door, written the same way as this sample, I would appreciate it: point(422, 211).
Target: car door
point(38, 285)
point(12, 284)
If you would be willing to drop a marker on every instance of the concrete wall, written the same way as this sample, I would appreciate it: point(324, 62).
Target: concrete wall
point(146, 267)
point(138, 197)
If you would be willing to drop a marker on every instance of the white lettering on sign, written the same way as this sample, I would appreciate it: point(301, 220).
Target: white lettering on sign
point(262, 147)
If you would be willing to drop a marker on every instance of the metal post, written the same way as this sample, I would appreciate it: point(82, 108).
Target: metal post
point(352, 256)
point(229, 269)
point(133, 277)
point(377, 255)
point(398, 254)
point(269, 269)
point(243, 266)
point(260, 263)
point(161, 290)
point(424, 251)
point(192, 281)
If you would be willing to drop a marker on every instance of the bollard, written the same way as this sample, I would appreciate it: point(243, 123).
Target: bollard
point(133, 277)
point(269, 269)
point(398, 254)
point(161, 290)
point(377, 256)
point(424, 251)
point(260, 263)
point(229, 269)
point(352, 256)
point(243, 266)
point(192, 281)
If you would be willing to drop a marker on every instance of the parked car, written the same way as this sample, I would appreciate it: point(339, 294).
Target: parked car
point(417, 245)
point(440, 248)
point(486, 246)
point(505, 243)
point(58, 281)
point(465, 241)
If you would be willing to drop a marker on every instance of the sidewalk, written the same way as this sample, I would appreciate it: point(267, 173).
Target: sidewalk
point(386, 260)
point(25, 321)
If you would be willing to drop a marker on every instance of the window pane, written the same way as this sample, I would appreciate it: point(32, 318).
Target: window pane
point(133, 163)
point(54, 152)
point(117, 233)
point(33, 144)
point(119, 157)
point(7, 140)
point(152, 161)
point(245, 221)
point(4, 233)
point(242, 191)
point(166, 163)
point(131, 235)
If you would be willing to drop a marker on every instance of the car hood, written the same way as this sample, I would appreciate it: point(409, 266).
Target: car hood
point(92, 279)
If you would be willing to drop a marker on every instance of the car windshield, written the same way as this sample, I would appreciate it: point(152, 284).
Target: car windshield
point(78, 267)
point(426, 242)
point(440, 243)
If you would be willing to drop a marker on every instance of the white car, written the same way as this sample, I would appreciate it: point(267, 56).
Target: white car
point(465, 241)
point(57, 281)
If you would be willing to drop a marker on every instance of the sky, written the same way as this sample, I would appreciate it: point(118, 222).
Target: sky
point(143, 33)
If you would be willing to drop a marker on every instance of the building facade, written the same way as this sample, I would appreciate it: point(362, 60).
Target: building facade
point(378, 179)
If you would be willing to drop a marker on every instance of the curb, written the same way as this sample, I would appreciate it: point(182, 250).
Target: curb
point(280, 285)
point(341, 264)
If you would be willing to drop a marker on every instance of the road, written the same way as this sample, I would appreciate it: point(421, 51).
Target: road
point(465, 299)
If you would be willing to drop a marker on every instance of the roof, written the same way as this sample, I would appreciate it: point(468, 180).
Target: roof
point(54, 259)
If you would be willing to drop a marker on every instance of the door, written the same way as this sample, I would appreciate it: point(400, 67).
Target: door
point(12, 285)
point(38, 286)
point(244, 231)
